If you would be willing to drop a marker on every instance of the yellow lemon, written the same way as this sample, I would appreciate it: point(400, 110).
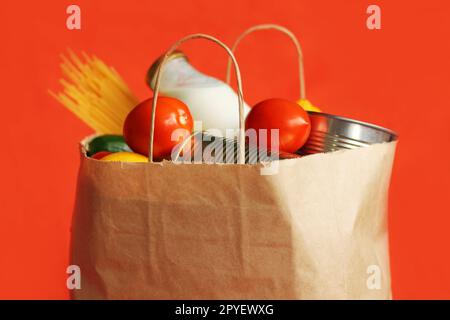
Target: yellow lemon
point(125, 157)
point(307, 105)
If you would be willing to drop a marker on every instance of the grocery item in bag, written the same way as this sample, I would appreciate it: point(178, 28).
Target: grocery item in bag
point(210, 100)
point(173, 116)
point(331, 133)
point(107, 142)
point(287, 117)
point(95, 93)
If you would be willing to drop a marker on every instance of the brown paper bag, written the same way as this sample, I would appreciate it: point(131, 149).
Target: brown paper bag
point(314, 230)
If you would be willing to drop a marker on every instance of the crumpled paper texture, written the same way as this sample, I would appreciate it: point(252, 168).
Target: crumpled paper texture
point(224, 231)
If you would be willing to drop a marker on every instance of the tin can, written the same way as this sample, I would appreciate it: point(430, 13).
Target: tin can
point(330, 133)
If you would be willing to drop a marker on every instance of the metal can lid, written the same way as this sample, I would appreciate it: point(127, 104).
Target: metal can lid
point(151, 73)
point(347, 121)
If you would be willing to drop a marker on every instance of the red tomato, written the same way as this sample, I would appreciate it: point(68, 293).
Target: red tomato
point(287, 116)
point(100, 154)
point(171, 114)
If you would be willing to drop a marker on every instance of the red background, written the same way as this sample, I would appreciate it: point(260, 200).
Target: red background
point(398, 77)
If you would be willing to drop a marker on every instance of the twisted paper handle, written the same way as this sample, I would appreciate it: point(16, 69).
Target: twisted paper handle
point(290, 35)
point(241, 137)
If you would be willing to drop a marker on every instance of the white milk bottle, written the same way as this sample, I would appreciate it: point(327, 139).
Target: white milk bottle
point(210, 100)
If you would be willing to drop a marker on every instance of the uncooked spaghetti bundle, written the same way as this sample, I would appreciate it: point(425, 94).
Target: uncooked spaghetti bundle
point(95, 92)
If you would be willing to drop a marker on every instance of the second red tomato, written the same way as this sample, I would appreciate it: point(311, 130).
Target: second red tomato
point(287, 116)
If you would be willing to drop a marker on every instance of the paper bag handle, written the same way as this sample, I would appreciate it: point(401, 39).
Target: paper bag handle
point(284, 30)
point(241, 137)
